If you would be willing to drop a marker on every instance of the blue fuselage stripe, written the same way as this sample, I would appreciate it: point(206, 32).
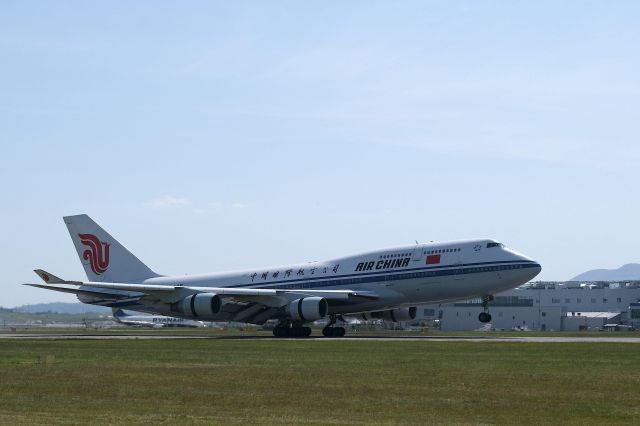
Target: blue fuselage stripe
point(405, 274)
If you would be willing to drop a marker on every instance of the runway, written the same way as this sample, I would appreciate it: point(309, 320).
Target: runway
point(478, 339)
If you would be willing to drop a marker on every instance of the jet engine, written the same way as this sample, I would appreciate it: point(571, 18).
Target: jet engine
point(199, 305)
point(307, 309)
point(393, 315)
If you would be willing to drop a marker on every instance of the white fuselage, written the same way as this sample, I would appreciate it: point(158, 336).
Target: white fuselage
point(400, 276)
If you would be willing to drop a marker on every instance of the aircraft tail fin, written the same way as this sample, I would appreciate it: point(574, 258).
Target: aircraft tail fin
point(102, 256)
point(118, 313)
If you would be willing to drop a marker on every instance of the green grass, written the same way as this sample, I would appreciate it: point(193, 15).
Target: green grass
point(317, 331)
point(317, 382)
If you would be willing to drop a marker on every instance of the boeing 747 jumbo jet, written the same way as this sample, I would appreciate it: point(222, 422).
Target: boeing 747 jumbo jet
point(385, 284)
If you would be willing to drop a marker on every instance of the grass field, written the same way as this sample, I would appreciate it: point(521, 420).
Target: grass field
point(317, 331)
point(317, 382)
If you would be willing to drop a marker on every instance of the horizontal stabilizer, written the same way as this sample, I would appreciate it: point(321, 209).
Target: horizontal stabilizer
point(93, 292)
point(49, 278)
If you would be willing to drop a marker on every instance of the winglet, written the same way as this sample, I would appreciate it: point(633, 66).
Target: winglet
point(49, 278)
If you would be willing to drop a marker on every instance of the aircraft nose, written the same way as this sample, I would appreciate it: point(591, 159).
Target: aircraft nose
point(534, 269)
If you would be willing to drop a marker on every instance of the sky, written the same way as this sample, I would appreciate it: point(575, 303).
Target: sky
point(212, 136)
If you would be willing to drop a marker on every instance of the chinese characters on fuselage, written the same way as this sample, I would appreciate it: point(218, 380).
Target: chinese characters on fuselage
point(287, 274)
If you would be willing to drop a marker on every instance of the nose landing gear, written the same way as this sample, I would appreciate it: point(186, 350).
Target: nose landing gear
point(485, 316)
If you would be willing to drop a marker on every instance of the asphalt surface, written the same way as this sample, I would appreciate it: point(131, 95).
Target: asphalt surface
point(523, 339)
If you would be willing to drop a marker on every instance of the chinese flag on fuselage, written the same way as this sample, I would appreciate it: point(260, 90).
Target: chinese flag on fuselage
point(433, 259)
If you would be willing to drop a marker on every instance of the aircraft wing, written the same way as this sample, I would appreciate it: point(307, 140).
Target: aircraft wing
point(257, 303)
point(170, 294)
point(164, 292)
point(239, 292)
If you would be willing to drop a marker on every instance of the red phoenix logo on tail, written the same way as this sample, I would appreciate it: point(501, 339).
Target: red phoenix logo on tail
point(97, 257)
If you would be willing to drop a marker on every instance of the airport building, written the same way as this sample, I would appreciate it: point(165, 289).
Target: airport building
point(547, 306)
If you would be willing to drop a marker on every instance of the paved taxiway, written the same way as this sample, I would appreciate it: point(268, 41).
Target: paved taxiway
point(521, 339)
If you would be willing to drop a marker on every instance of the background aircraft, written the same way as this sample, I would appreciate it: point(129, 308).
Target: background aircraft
point(156, 321)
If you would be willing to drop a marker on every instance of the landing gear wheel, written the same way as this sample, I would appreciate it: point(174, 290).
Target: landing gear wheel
point(484, 317)
point(333, 332)
point(283, 331)
point(301, 331)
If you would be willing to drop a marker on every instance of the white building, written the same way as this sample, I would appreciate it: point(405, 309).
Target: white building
point(634, 315)
point(577, 321)
point(541, 306)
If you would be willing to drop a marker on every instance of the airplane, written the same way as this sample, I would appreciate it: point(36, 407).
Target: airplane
point(384, 284)
point(155, 321)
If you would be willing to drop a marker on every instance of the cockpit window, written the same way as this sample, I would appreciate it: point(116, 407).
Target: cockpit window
point(489, 245)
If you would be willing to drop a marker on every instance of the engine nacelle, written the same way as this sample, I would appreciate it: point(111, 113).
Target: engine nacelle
point(308, 309)
point(199, 305)
point(393, 315)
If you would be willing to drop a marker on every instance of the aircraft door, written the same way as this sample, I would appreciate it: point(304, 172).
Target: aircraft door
point(458, 261)
point(418, 255)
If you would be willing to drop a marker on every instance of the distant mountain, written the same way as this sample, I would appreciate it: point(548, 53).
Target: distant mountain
point(63, 308)
point(630, 271)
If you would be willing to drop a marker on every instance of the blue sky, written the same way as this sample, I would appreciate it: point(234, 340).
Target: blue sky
point(210, 136)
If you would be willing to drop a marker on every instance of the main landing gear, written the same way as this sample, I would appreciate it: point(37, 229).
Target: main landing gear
point(485, 316)
point(330, 331)
point(282, 330)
